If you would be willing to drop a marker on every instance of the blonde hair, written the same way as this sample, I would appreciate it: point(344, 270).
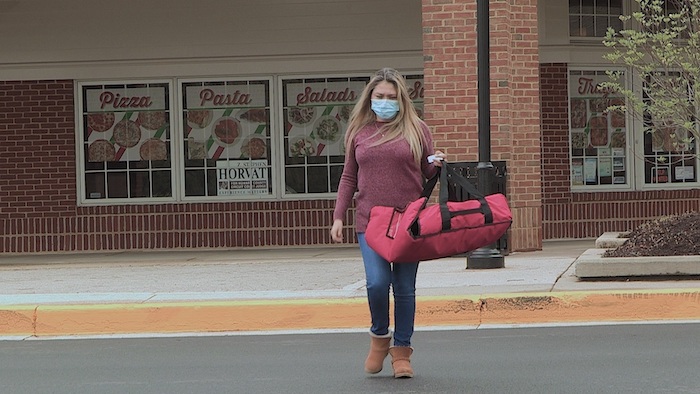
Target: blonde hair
point(406, 123)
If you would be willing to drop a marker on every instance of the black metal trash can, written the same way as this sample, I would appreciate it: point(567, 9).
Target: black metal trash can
point(469, 171)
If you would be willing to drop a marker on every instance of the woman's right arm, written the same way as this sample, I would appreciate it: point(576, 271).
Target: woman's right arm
point(346, 190)
point(337, 230)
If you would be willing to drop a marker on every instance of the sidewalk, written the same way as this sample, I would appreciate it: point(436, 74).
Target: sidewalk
point(159, 292)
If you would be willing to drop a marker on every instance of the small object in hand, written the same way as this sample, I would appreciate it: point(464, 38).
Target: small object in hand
point(433, 158)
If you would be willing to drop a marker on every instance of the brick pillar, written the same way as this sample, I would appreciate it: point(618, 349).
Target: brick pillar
point(450, 70)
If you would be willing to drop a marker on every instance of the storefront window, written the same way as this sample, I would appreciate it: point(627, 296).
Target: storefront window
point(598, 136)
point(591, 18)
point(670, 153)
point(226, 138)
point(315, 116)
point(126, 141)
point(222, 139)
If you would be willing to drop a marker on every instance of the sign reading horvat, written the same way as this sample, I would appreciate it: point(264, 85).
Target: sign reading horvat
point(241, 177)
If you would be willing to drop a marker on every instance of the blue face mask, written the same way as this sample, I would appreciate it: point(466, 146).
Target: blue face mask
point(385, 109)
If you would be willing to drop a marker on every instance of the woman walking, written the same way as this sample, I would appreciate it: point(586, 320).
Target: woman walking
point(386, 162)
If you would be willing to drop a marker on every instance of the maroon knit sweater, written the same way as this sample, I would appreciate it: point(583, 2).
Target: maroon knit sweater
point(385, 174)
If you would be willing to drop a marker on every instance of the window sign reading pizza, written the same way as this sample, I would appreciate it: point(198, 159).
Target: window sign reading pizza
point(126, 138)
point(226, 125)
point(598, 136)
point(316, 112)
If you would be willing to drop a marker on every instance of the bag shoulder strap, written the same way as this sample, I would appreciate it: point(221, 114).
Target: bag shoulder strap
point(430, 185)
point(449, 174)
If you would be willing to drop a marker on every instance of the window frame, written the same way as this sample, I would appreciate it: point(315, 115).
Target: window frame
point(282, 168)
point(176, 89)
point(81, 186)
point(273, 174)
point(594, 14)
point(629, 149)
point(640, 164)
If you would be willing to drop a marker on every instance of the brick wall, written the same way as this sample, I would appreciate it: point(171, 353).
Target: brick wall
point(556, 183)
point(588, 215)
point(449, 47)
point(37, 149)
point(39, 213)
point(172, 226)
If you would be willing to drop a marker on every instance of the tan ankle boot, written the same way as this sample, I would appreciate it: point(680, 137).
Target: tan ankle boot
point(378, 350)
point(401, 361)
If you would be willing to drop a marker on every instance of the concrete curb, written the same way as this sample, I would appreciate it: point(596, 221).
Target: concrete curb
point(592, 264)
point(305, 314)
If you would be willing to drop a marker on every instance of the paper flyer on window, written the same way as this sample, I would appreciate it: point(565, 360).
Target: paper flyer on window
point(241, 177)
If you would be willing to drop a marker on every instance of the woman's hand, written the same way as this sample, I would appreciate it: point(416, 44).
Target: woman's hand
point(337, 230)
point(439, 158)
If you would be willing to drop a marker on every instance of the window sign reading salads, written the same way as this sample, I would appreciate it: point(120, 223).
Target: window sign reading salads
point(598, 137)
point(227, 137)
point(316, 114)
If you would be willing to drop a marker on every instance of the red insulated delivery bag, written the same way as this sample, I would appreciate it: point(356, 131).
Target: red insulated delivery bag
point(419, 232)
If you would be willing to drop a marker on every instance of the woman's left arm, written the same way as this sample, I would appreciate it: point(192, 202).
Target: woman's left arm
point(429, 167)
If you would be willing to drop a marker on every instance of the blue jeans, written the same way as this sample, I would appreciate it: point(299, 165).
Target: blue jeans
point(402, 278)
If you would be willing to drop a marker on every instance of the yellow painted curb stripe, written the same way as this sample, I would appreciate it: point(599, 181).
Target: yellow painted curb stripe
point(267, 315)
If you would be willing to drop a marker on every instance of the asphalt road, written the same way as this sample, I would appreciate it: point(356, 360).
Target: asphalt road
point(659, 358)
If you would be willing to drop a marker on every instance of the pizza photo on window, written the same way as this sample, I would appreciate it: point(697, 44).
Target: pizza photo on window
point(199, 118)
point(618, 139)
point(101, 121)
point(255, 115)
point(254, 148)
point(599, 131)
point(152, 120)
point(579, 140)
point(196, 150)
point(227, 130)
point(127, 133)
point(154, 149)
point(617, 116)
point(101, 151)
point(578, 113)
point(599, 105)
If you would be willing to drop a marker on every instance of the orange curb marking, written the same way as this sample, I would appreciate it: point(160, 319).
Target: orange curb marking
point(572, 307)
point(270, 315)
point(200, 317)
point(17, 321)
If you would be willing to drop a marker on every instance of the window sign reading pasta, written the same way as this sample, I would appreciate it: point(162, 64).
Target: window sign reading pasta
point(598, 136)
point(126, 139)
point(226, 131)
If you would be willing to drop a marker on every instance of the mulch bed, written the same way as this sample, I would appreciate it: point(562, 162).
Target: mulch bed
point(677, 235)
